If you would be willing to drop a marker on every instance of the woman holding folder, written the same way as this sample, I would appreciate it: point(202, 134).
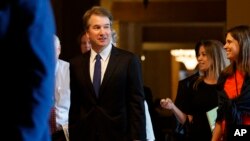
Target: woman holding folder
point(201, 94)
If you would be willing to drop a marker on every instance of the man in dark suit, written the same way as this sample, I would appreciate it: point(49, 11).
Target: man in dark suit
point(115, 110)
point(26, 36)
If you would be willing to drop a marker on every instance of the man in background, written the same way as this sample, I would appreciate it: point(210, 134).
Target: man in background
point(84, 43)
point(61, 97)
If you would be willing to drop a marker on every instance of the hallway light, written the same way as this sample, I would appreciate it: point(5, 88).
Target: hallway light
point(186, 56)
point(143, 57)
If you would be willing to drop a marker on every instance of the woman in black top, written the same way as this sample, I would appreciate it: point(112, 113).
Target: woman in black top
point(201, 94)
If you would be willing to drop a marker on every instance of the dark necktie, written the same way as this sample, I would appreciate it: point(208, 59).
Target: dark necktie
point(97, 74)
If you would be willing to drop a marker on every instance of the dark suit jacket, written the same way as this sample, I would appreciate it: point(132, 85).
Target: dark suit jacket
point(26, 36)
point(118, 113)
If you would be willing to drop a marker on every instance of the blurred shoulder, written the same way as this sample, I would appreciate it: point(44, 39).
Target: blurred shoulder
point(123, 53)
point(189, 78)
point(63, 63)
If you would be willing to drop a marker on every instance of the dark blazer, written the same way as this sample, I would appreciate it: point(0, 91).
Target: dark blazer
point(26, 36)
point(184, 88)
point(118, 113)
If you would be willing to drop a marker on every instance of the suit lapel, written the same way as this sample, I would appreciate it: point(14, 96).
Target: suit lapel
point(112, 64)
point(85, 72)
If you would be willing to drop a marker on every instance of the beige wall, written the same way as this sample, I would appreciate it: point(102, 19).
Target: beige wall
point(238, 12)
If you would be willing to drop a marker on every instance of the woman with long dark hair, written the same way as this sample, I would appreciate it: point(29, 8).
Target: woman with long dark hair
point(234, 84)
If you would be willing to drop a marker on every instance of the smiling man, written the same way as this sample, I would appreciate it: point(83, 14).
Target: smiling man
point(107, 99)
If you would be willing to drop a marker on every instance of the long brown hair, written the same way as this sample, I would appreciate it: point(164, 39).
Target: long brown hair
point(216, 54)
point(241, 34)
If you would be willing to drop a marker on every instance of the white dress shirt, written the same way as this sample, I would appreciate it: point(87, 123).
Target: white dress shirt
point(149, 128)
point(105, 54)
point(62, 93)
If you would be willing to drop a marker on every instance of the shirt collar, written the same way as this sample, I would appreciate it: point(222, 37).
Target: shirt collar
point(104, 54)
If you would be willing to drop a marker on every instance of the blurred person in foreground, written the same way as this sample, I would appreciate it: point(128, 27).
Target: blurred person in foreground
point(26, 34)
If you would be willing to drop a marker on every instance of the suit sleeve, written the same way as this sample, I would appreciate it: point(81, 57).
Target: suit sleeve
point(137, 109)
point(74, 115)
